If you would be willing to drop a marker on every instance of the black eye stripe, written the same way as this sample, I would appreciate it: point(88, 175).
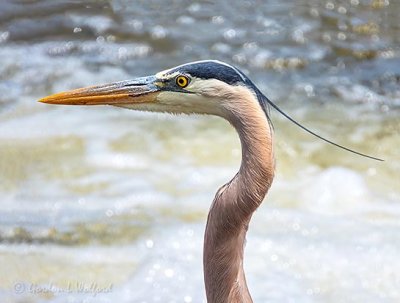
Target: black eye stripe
point(211, 70)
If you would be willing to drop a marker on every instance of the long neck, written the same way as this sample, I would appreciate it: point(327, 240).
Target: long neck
point(233, 207)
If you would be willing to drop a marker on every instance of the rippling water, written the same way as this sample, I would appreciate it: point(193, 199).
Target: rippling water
point(108, 205)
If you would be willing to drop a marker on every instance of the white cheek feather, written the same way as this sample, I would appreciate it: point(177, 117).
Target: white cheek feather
point(203, 97)
point(189, 103)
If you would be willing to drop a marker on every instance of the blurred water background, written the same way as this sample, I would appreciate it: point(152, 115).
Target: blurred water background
point(101, 204)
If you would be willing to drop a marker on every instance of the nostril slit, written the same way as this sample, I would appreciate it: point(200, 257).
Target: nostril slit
point(134, 84)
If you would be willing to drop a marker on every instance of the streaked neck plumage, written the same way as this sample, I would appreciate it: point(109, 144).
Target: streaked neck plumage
point(236, 201)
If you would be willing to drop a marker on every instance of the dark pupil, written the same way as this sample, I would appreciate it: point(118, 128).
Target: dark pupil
point(181, 81)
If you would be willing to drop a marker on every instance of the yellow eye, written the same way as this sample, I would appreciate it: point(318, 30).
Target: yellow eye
point(182, 81)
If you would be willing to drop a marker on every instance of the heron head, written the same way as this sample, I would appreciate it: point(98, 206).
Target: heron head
point(203, 87)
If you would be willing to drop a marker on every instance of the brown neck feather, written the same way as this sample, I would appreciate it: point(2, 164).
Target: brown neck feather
point(235, 203)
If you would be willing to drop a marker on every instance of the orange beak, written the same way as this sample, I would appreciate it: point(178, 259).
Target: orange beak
point(140, 90)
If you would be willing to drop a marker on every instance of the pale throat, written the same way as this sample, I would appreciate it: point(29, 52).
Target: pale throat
point(236, 201)
point(256, 137)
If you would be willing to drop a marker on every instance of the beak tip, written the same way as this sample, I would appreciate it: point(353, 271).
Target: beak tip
point(45, 100)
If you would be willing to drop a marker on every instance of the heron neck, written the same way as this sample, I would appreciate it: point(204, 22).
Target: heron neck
point(233, 207)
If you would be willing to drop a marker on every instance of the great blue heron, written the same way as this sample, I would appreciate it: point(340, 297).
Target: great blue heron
point(215, 88)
